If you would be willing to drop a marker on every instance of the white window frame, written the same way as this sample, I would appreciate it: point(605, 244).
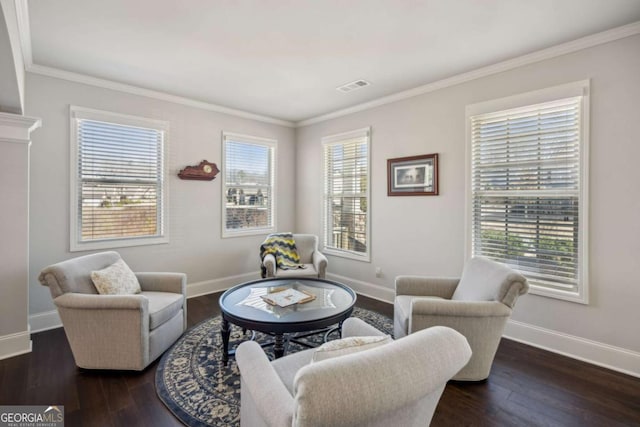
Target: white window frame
point(76, 244)
point(272, 144)
point(338, 139)
point(569, 90)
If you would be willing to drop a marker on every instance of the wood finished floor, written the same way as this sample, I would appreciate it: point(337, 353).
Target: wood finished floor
point(527, 387)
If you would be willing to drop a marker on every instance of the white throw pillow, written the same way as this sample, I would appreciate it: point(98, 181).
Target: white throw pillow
point(348, 346)
point(117, 279)
point(485, 280)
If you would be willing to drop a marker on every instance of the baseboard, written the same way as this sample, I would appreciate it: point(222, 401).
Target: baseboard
point(596, 353)
point(15, 344)
point(216, 285)
point(364, 288)
point(44, 321)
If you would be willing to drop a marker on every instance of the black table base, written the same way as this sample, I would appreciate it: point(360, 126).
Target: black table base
point(280, 342)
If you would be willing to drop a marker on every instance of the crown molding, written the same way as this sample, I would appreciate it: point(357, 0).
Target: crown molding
point(22, 13)
point(16, 128)
point(19, 121)
point(541, 55)
point(162, 96)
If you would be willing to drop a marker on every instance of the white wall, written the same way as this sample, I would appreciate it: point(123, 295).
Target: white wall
point(196, 247)
point(425, 235)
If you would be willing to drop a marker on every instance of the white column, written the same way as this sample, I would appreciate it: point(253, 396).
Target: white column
point(15, 140)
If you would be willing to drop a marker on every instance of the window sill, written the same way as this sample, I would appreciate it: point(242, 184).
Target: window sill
point(226, 234)
point(347, 254)
point(117, 243)
point(558, 294)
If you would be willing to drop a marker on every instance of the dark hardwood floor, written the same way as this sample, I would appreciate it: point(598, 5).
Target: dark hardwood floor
point(527, 386)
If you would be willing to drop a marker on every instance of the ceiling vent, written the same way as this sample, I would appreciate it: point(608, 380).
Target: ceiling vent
point(353, 86)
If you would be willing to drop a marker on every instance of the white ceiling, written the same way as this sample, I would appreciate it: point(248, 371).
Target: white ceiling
point(285, 58)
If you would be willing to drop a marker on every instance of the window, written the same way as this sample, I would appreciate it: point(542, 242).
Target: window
point(528, 187)
point(248, 184)
point(346, 207)
point(118, 182)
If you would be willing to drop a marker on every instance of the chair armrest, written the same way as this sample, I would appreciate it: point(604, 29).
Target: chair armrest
point(320, 263)
point(272, 399)
point(435, 307)
point(354, 327)
point(442, 287)
point(106, 331)
point(163, 282)
point(102, 302)
point(269, 262)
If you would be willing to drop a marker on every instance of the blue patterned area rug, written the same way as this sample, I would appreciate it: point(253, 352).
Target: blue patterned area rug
point(194, 384)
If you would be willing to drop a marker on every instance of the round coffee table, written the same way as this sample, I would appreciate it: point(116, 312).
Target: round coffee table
point(243, 306)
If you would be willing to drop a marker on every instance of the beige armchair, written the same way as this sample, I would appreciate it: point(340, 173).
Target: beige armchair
point(477, 305)
point(315, 262)
point(125, 332)
point(396, 384)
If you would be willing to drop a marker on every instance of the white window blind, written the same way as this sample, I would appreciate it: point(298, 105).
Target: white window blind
point(526, 191)
point(346, 210)
point(119, 180)
point(249, 171)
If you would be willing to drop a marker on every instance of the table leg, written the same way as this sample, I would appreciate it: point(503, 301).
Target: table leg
point(278, 348)
point(225, 332)
point(332, 330)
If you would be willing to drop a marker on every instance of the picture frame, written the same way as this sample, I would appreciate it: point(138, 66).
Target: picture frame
point(413, 176)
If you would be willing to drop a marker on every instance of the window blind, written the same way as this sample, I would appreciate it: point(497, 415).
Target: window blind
point(526, 190)
point(248, 183)
point(346, 193)
point(120, 181)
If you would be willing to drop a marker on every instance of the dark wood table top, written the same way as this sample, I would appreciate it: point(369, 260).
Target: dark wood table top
point(242, 305)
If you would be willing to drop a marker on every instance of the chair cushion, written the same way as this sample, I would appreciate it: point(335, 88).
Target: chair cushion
point(308, 271)
point(485, 280)
point(116, 279)
point(348, 345)
point(162, 306)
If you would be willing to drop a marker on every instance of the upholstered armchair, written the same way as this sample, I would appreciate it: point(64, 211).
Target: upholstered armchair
point(477, 305)
point(315, 262)
point(396, 384)
point(125, 332)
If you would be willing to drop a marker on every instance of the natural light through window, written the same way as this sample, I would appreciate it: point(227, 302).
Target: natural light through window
point(346, 208)
point(527, 192)
point(248, 184)
point(118, 184)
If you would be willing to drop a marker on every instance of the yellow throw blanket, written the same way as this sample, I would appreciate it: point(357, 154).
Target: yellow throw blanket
point(283, 247)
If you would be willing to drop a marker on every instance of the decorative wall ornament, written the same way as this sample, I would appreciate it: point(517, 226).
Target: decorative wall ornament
point(413, 176)
point(205, 171)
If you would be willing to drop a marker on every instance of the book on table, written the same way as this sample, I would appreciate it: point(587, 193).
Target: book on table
point(287, 297)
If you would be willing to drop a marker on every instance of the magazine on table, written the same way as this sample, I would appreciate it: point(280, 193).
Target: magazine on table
point(287, 297)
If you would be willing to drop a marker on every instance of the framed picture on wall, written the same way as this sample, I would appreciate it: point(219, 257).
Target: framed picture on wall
point(413, 176)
